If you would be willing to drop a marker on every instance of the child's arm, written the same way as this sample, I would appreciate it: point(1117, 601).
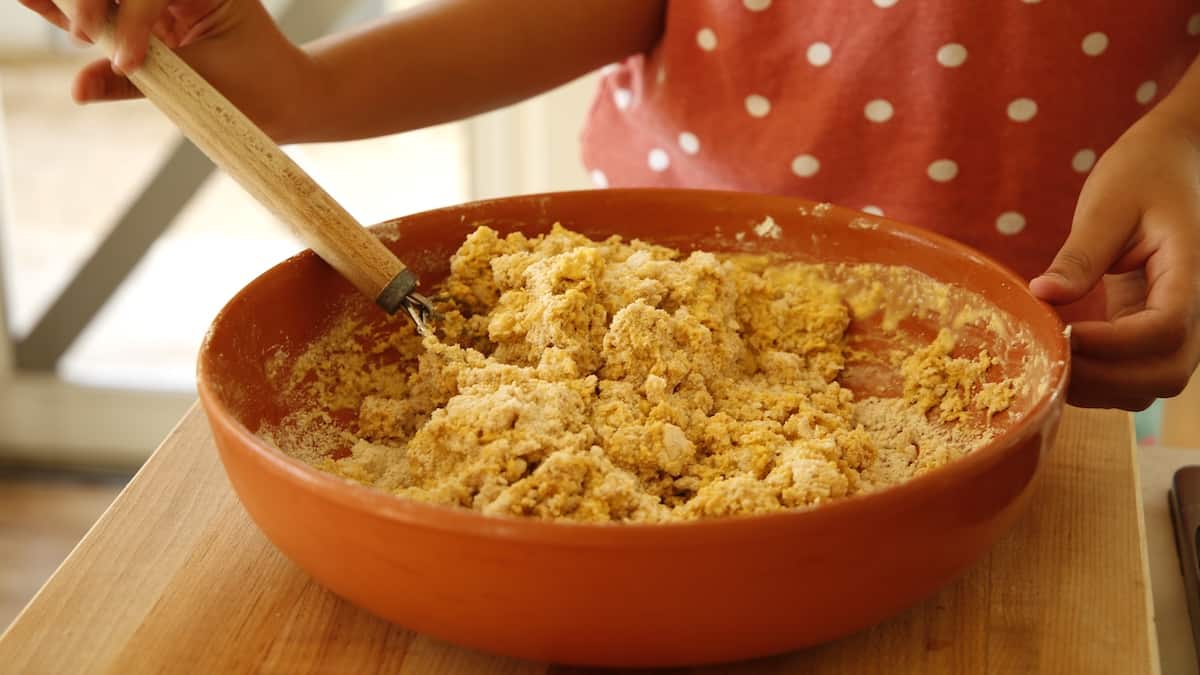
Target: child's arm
point(1138, 222)
point(441, 61)
point(454, 58)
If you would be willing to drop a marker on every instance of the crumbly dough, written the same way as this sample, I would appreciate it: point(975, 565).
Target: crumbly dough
point(623, 381)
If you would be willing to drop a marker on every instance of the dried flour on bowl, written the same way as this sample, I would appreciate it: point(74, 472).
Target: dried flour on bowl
point(623, 381)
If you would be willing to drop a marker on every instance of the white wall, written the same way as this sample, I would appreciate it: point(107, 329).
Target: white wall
point(533, 146)
point(22, 31)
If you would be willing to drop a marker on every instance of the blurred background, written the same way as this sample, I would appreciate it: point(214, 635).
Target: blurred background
point(119, 243)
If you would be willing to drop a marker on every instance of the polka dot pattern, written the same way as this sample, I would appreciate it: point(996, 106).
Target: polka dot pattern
point(943, 170)
point(819, 54)
point(1084, 160)
point(952, 55)
point(806, 166)
point(770, 96)
point(658, 160)
point(757, 106)
point(689, 143)
point(1010, 223)
point(1146, 92)
point(1094, 44)
point(879, 110)
point(1022, 109)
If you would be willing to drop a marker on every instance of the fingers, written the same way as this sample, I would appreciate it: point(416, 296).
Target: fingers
point(135, 20)
point(88, 22)
point(1154, 330)
point(1129, 384)
point(164, 29)
point(97, 82)
point(1099, 235)
point(49, 12)
point(1167, 320)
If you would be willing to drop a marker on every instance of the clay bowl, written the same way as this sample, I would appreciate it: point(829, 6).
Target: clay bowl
point(626, 595)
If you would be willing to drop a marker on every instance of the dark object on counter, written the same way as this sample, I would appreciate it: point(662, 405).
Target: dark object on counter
point(1184, 497)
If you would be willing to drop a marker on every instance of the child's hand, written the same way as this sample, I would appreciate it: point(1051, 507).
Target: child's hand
point(175, 22)
point(1137, 222)
point(234, 44)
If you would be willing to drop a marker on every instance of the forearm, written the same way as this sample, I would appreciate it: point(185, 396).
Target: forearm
point(450, 59)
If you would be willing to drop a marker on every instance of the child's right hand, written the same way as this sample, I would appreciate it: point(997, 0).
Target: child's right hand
point(234, 44)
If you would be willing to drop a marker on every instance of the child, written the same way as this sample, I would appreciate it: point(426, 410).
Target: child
point(1062, 138)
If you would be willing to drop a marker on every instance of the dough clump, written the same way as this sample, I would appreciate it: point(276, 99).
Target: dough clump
point(619, 381)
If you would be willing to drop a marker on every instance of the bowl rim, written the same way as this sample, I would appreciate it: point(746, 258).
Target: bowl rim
point(415, 513)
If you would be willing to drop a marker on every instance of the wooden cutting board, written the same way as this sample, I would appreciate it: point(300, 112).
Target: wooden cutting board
point(175, 577)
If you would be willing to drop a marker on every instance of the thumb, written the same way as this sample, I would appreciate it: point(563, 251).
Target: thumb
point(1075, 271)
point(97, 82)
point(1097, 238)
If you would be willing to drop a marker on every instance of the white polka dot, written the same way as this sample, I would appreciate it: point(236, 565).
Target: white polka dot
point(661, 76)
point(951, 55)
point(757, 106)
point(805, 166)
point(756, 5)
point(1010, 222)
point(1031, 2)
point(622, 97)
point(1094, 44)
point(599, 179)
point(610, 69)
point(819, 53)
point(885, 3)
point(689, 143)
point(873, 210)
point(1146, 92)
point(1193, 25)
point(1022, 109)
point(943, 170)
point(879, 110)
point(1084, 160)
point(707, 39)
point(658, 159)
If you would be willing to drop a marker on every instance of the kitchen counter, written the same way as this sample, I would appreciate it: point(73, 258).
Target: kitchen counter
point(176, 576)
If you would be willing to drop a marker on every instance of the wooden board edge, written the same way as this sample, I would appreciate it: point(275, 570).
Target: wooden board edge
point(1143, 548)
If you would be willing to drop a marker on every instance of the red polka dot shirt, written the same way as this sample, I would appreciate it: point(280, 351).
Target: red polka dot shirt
point(980, 120)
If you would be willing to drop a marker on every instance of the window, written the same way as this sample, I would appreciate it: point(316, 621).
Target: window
point(68, 174)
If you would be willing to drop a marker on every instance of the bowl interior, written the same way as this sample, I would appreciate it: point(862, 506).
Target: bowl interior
point(296, 302)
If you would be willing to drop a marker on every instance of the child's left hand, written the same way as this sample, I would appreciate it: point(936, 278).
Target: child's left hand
point(1137, 225)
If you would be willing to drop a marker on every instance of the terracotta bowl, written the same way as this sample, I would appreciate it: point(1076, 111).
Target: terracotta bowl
point(625, 595)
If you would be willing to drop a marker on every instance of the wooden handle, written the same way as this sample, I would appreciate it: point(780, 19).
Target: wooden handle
point(246, 153)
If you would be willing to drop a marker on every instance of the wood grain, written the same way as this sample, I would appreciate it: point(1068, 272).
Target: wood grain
point(176, 573)
point(242, 150)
